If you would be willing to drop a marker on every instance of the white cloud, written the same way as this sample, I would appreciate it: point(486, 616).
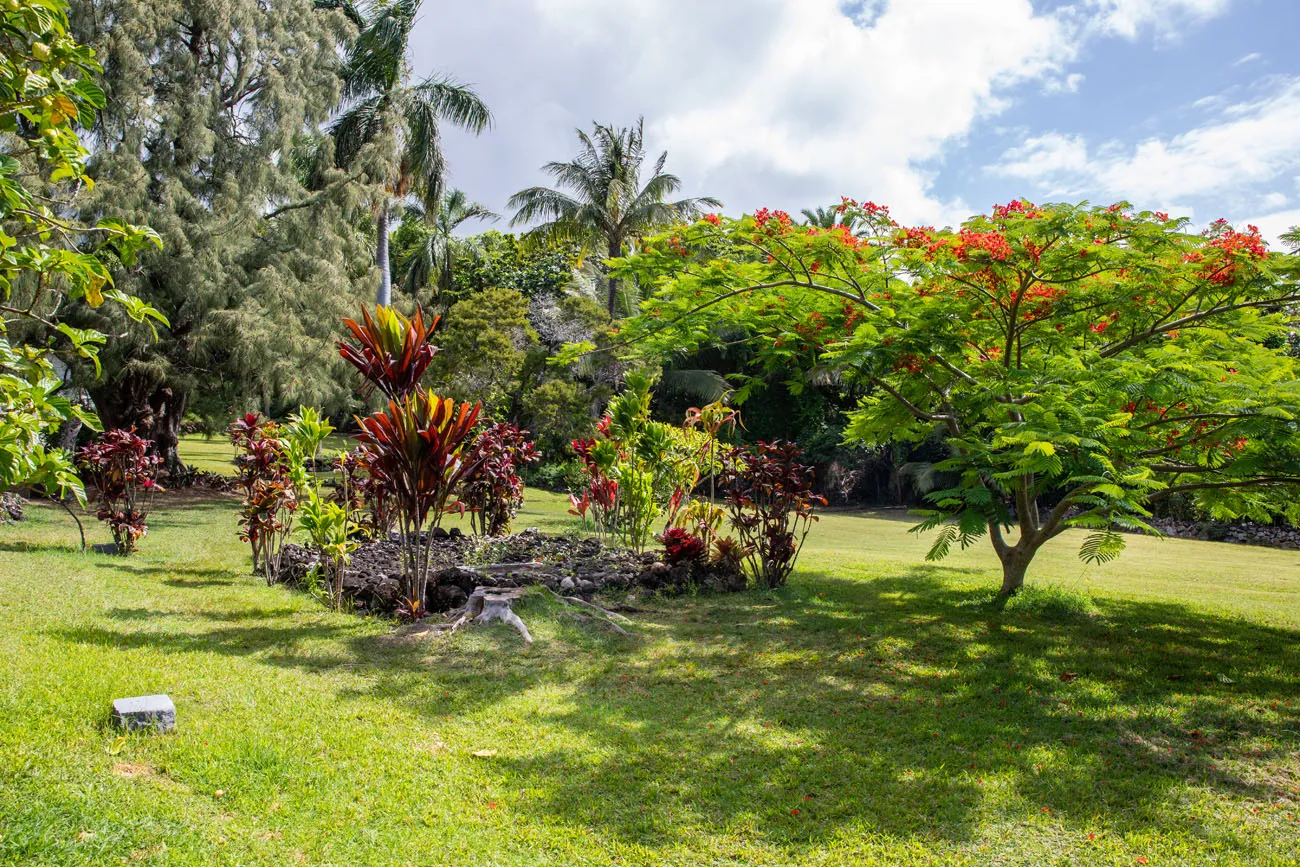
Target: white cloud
point(1054, 161)
point(1068, 84)
point(1128, 18)
point(1249, 58)
point(758, 102)
point(1247, 145)
point(1274, 224)
point(784, 103)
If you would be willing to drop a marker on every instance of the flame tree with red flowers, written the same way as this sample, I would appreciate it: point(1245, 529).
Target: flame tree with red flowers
point(1083, 362)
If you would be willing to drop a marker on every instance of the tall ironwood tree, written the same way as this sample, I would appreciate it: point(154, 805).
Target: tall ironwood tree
point(206, 103)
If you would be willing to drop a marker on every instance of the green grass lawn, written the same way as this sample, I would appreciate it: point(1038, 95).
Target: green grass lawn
point(216, 455)
point(876, 711)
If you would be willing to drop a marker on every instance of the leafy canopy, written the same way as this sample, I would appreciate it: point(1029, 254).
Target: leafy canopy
point(46, 259)
point(1093, 358)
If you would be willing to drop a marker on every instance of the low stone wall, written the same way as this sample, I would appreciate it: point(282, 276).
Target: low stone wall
point(1243, 533)
point(569, 565)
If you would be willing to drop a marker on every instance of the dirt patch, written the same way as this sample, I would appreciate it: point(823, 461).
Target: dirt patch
point(134, 769)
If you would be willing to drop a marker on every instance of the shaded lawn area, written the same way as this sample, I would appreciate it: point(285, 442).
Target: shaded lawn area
point(875, 711)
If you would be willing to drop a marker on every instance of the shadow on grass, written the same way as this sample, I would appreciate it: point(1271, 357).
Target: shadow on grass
point(904, 706)
point(217, 577)
point(40, 547)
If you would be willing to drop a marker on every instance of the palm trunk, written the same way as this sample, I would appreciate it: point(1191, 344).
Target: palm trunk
point(384, 296)
point(615, 250)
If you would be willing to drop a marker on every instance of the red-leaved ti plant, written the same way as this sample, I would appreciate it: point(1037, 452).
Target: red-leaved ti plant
point(492, 491)
point(122, 472)
point(416, 449)
point(769, 496)
point(390, 351)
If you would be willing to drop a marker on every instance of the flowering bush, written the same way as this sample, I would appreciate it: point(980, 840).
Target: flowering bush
point(636, 468)
point(121, 470)
point(770, 499)
point(492, 490)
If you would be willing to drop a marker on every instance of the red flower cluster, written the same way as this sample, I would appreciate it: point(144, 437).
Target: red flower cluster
point(1100, 326)
point(1249, 242)
point(909, 362)
point(1020, 206)
point(713, 219)
point(915, 237)
point(993, 243)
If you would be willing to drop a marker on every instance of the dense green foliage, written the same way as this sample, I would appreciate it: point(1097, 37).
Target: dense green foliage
point(48, 261)
point(1080, 362)
point(205, 136)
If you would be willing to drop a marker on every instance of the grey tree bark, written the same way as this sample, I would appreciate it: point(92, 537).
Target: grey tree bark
point(384, 296)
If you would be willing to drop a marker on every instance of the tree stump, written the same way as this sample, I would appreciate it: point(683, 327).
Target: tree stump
point(487, 604)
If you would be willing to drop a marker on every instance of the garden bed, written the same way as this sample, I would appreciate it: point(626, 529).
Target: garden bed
point(573, 565)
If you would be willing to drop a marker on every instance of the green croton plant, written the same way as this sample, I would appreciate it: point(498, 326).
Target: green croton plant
point(1082, 362)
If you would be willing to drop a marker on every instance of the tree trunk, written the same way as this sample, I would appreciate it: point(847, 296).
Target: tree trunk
point(615, 250)
point(384, 296)
point(153, 410)
point(1015, 563)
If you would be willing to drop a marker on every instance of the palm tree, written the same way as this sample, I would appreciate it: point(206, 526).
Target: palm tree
point(431, 262)
point(606, 206)
point(379, 99)
point(822, 218)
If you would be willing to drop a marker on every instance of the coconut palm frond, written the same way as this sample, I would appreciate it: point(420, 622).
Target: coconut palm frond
point(706, 385)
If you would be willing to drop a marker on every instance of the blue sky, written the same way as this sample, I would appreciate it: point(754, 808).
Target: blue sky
point(938, 108)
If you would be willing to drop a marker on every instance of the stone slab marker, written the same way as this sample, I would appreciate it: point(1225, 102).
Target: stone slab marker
point(145, 711)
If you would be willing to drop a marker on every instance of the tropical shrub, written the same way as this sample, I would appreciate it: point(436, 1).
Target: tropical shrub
point(558, 411)
point(493, 490)
point(263, 477)
point(120, 469)
point(636, 468)
point(694, 512)
point(484, 343)
point(369, 504)
point(770, 502)
point(563, 477)
point(682, 546)
point(326, 524)
point(415, 448)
